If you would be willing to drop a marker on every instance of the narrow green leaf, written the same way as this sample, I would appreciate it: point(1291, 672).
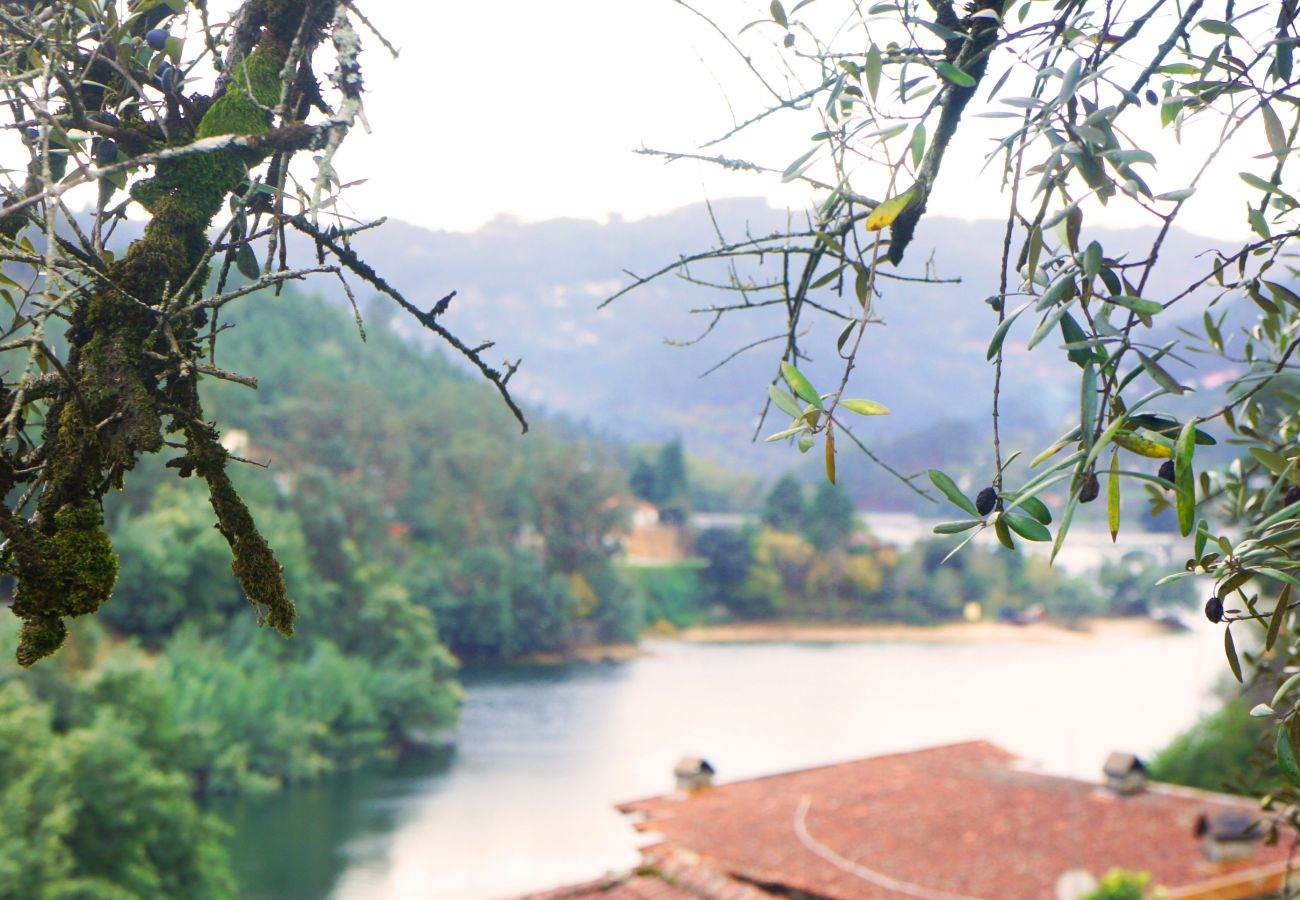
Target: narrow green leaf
point(1184, 477)
point(789, 432)
point(955, 75)
point(1257, 222)
point(1137, 304)
point(1004, 326)
point(1272, 461)
point(800, 385)
point(949, 489)
point(1282, 294)
point(1088, 403)
point(1045, 326)
point(795, 168)
point(1036, 508)
point(1064, 527)
point(1279, 613)
point(1273, 130)
point(874, 66)
point(246, 262)
point(917, 145)
point(1214, 26)
point(1092, 258)
point(956, 527)
point(1177, 196)
point(1284, 689)
point(1202, 535)
point(1071, 333)
point(865, 407)
point(1160, 375)
point(1027, 528)
point(785, 402)
point(1069, 82)
point(1286, 760)
point(1004, 535)
point(778, 14)
point(1230, 649)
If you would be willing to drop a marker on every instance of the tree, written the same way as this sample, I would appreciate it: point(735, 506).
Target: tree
point(1089, 103)
point(831, 518)
point(784, 507)
point(105, 351)
point(671, 485)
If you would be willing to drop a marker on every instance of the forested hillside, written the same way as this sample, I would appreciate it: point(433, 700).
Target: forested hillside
point(398, 493)
point(626, 369)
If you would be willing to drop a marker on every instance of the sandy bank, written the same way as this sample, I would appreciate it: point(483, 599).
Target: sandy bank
point(954, 632)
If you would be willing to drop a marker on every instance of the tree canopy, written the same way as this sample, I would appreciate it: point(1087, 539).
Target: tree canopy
point(154, 108)
point(1092, 115)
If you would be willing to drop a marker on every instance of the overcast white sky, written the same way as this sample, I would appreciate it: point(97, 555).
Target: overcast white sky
point(534, 110)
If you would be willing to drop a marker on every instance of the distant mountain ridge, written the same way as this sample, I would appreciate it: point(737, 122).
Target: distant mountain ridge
point(534, 289)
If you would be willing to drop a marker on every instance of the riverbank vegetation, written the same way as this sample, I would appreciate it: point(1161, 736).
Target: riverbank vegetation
point(413, 530)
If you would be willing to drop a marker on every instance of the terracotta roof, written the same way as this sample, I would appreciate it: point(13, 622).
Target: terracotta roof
point(962, 821)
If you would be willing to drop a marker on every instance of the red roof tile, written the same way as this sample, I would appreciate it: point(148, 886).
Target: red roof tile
point(963, 821)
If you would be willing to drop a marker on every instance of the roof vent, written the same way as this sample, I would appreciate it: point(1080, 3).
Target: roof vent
point(1125, 773)
point(693, 773)
point(1229, 835)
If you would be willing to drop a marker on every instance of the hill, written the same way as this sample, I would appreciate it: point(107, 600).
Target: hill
point(535, 289)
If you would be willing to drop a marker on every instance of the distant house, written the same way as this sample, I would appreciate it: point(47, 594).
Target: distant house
point(959, 822)
point(651, 541)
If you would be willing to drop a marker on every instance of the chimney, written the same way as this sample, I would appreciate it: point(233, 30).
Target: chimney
point(1125, 774)
point(1229, 835)
point(693, 774)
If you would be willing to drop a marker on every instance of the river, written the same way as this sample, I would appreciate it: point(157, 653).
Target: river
point(524, 802)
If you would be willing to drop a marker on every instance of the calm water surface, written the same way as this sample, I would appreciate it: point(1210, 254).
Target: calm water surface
point(525, 800)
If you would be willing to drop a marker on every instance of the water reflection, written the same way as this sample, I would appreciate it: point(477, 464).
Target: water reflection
point(544, 753)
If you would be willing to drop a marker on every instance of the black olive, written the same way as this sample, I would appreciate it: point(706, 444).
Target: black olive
point(106, 152)
point(1167, 471)
point(1089, 489)
point(157, 39)
point(985, 500)
point(1292, 496)
point(1151, 97)
point(1214, 610)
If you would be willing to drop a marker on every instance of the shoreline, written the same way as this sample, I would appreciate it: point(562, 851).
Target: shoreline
point(853, 633)
point(946, 633)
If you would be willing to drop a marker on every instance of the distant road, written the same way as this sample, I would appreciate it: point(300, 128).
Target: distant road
point(1086, 548)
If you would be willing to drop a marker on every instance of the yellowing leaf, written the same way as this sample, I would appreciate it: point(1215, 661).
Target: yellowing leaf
point(830, 453)
point(1146, 446)
point(884, 215)
point(865, 407)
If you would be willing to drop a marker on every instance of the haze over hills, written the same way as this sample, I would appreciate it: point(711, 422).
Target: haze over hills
point(535, 289)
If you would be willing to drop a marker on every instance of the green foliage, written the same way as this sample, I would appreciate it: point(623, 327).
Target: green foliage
point(1120, 884)
point(1173, 354)
point(669, 593)
point(1131, 586)
point(87, 809)
point(831, 519)
point(663, 481)
point(1226, 750)
point(785, 507)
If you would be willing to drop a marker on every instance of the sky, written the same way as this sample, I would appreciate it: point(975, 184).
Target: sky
point(535, 110)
